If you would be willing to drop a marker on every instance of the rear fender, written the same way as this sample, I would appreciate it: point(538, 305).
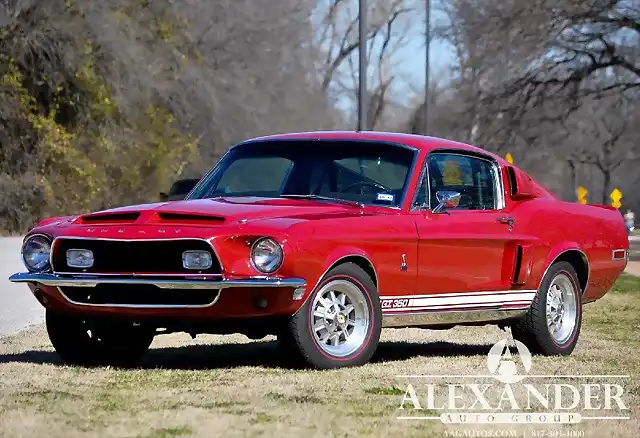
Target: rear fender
point(555, 254)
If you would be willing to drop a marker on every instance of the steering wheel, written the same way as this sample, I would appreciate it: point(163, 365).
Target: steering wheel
point(366, 183)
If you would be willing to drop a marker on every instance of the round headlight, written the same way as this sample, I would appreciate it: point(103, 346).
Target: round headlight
point(266, 255)
point(35, 253)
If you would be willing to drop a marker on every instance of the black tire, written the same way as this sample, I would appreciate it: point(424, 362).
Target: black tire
point(533, 330)
point(300, 340)
point(108, 343)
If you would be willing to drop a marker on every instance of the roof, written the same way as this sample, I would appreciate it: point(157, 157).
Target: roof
point(420, 142)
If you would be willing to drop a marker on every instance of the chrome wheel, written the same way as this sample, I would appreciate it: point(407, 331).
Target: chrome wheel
point(561, 308)
point(340, 318)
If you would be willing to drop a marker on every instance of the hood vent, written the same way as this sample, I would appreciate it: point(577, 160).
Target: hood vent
point(110, 218)
point(189, 218)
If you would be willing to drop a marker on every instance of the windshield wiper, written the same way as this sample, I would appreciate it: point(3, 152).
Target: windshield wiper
point(325, 198)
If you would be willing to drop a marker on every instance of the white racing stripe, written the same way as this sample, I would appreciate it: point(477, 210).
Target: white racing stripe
point(474, 299)
point(508, 299)
point(462, 294)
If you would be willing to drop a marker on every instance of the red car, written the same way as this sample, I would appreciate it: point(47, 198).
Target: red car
point(323, 239)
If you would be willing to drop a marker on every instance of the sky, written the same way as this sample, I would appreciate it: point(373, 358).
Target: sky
point(409, 64)
point(413, 62)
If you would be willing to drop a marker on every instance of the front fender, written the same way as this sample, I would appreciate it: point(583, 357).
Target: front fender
point(334, 258)
point(343, 253)
point(55, 220)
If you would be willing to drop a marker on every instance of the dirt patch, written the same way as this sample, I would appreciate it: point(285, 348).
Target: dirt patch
point(633, 268)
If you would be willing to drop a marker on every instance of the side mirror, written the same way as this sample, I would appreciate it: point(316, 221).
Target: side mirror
point(164, 197)
point(446, 199)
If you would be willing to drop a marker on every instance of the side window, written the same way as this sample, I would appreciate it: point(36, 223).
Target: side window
point(421, 197)
point(474, 178)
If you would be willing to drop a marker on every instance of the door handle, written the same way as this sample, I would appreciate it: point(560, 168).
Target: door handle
point(507, 220)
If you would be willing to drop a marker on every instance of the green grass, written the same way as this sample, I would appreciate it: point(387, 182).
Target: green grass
point(627, 284)
point(169, 432)
point(616, 317)
point(385, 391)
point(262, 418)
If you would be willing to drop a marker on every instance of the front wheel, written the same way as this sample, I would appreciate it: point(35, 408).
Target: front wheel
point(340, 323)
point(85, 341)
point(552, 325)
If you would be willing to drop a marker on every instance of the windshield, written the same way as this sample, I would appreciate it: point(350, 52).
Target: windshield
point(365, 172)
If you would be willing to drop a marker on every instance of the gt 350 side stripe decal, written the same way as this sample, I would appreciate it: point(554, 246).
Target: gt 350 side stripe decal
point(458, 300)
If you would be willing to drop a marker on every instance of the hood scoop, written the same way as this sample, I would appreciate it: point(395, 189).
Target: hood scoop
point(110, 218)
point(188, 218)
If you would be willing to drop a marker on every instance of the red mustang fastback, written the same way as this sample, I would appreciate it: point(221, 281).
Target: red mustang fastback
point(323, 239)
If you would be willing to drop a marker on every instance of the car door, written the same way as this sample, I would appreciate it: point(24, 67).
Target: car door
point(469, 248)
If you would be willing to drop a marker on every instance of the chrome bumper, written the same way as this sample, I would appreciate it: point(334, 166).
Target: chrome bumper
point(93, 281)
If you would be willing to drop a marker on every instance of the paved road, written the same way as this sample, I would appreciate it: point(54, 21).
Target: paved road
point(18, 308)
point(634, 248)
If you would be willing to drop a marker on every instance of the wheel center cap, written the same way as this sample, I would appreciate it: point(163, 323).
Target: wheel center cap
point(341, 319)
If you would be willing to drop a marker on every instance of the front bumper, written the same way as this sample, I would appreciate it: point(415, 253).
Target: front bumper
point(93, 281)
point(216, 297)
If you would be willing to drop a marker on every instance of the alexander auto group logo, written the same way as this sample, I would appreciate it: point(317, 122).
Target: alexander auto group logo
point(511, 393)
point(501, 363)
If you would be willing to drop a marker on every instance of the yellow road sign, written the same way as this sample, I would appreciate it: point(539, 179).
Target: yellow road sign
point(509, 158)
point(582, 194)
point(616, 196)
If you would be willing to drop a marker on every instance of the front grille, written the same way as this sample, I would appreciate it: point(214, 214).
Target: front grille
point(139, 295)
point(140, 257)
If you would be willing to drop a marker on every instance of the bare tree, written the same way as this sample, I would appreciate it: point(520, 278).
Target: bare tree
point(602, 131)
point(107, 102)
point(579, 42)
point(390, 27)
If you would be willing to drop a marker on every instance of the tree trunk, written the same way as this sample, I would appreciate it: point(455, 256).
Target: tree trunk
point(574, 180)
point(605, 186)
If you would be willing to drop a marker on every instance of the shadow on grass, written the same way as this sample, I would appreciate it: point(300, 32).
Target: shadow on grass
point(264, 354)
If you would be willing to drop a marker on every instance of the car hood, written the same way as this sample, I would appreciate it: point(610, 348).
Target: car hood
point(222, 211)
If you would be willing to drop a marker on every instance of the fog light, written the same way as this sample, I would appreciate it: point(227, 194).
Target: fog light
point(79, 258)
point(196, 260)
point(261, 303)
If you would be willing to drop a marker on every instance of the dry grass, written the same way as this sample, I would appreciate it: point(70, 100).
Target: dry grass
point(229, 386)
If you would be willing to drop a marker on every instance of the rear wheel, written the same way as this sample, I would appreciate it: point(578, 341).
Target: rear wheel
point(84, 341)
point(340, 323)
point(552, 325)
